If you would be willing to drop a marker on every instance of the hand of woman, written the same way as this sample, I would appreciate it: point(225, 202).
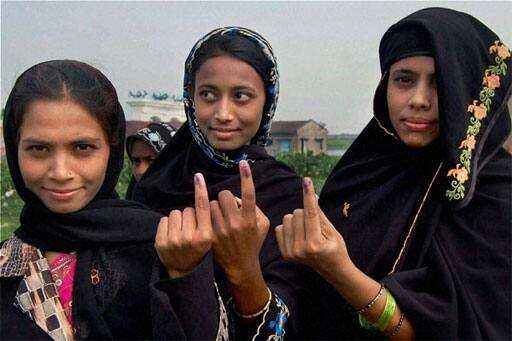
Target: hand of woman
point(308, 237)
point(239, 229)
point(184, 238)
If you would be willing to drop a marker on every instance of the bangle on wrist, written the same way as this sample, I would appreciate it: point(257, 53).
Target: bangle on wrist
point(385, 318)
point(258, 313)
point(372, 302)
point(398, 326)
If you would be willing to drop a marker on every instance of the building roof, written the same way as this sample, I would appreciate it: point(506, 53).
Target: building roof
point(288, 127)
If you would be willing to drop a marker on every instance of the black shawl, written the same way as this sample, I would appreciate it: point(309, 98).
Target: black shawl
point(168, 184)
point(434, 224)
point(105, 222)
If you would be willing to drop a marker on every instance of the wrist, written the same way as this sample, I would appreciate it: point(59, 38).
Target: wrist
point(341, 273)
point(243, 274)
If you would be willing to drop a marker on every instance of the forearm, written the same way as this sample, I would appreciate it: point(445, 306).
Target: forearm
point(359, 290)
point(249, 291)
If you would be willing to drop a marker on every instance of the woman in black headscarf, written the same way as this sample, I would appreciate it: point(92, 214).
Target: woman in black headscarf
point(80, 264)
point(228, 124)
point(143, 147)
point(422, 198)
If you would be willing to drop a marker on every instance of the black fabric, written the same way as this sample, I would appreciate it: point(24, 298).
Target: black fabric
point(155, 135)
point(168, 184)
point(450, 270)
point(130, 301)
point(105, 220)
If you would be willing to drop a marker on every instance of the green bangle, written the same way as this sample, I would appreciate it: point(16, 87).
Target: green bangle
point(387, 315)
point(385, 318)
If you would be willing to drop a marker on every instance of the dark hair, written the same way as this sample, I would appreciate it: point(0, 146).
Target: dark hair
point(69, 80)
point(235, 46)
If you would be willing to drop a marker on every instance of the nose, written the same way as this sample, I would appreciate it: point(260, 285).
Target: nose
point(61, 168)
point(223, 110)
point(422, 96)
point(139, 169)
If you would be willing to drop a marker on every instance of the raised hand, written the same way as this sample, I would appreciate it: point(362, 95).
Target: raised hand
point(184, 238)
point(239, 228)
point(308, 237)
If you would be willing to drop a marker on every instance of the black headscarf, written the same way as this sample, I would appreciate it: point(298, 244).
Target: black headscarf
point(435, 223)
point(157, 136)
point(168, 184)
point(106, 220)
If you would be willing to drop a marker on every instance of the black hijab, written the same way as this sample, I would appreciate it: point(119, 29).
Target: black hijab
point(157, 136)
point(435, 223)
point(168, 183)
point(106, 219)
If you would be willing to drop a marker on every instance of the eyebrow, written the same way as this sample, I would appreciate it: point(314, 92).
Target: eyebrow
point(405, 71)
point(78, 140)
point(236, 88)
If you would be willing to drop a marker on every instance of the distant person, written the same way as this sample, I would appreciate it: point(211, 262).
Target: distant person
point(416, 236)
point(143, 147)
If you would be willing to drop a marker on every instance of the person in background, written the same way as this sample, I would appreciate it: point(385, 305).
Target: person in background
point(143, 147)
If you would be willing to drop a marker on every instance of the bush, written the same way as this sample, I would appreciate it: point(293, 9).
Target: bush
point(317, 167)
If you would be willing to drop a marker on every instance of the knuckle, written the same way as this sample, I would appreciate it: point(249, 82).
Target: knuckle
point(249, 195)
point(310, 212)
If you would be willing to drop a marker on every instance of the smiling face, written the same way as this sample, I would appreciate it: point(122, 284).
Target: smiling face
point(63, 154)
point(412, 100)
point(229, 97)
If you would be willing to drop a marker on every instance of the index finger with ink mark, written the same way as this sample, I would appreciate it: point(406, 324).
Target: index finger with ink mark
point(248, 191)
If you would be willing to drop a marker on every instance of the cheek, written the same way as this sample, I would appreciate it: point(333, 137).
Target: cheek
point(98, 169)
point(30, 170)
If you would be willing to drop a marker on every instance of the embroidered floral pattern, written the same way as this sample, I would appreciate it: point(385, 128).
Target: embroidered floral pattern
point(346, 207)
point(478, 110)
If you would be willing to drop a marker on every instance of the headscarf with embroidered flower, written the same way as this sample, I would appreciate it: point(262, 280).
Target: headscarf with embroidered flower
point(168, 183)
point(434, 223)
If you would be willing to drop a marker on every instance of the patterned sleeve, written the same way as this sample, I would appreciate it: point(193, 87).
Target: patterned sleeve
point(269, 325)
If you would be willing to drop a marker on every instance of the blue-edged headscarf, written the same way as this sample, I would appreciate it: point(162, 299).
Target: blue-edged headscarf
point(271, 95)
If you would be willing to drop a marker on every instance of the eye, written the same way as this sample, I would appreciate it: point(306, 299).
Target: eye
point(241, 96)
point(207, 95)
point(84, 147)
point(38, 148)
point(404, 80)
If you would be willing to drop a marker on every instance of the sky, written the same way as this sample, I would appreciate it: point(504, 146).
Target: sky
point(327, 52)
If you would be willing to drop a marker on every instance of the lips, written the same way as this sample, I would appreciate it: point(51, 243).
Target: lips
point(62, 194)
point(419, 124)
point(224, 133)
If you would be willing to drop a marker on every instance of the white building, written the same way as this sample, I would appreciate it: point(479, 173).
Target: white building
point(149, 110)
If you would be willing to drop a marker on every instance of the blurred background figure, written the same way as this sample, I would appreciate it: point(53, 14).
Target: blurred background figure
point(143, 147)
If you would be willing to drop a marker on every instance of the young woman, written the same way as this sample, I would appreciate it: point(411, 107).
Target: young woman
point(230, 93)
point(417, 227)
point(80, 264)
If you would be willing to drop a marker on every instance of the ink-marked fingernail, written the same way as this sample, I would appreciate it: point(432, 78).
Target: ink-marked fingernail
point(197, 178)
point(305, 184)
point(245, 168)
